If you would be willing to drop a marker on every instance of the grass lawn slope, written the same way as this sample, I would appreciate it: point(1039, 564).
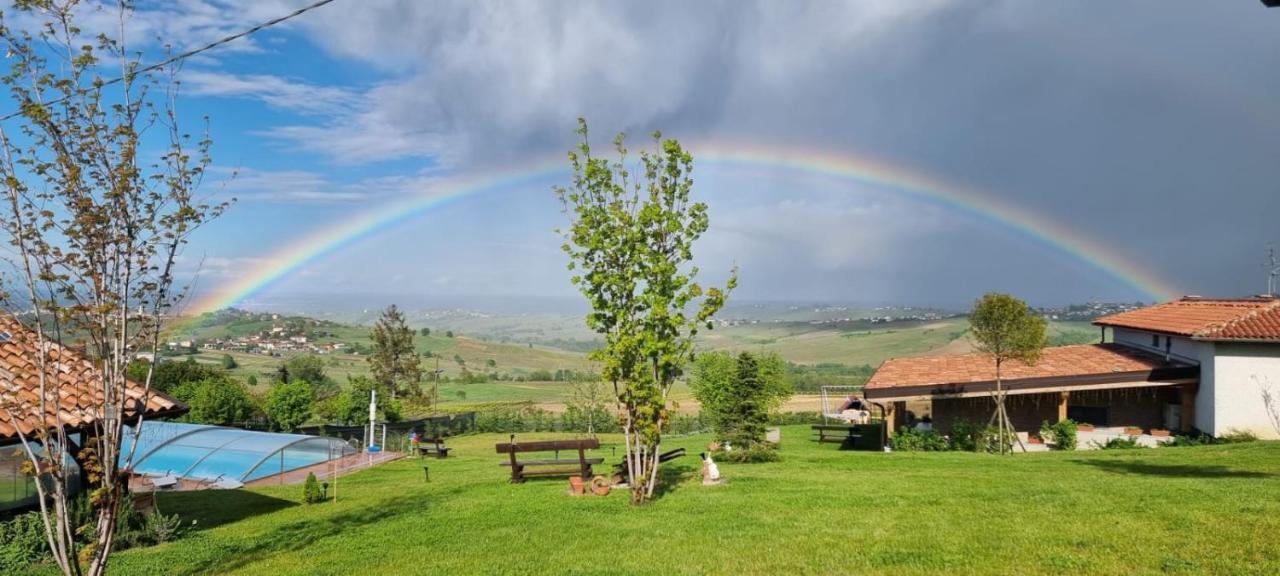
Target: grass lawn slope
point(1203, 510)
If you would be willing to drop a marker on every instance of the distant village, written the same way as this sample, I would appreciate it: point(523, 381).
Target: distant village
point(282, 335)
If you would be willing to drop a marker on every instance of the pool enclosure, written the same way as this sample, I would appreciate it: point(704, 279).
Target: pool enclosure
point(227, 457)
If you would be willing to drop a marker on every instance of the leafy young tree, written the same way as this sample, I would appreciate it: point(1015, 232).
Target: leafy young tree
point(98, 185)
point(217, 401)
point(630, 245)
point(1004, 328)
point(289, 404)
point(309, 368)
point(588, 405)
point(718, 384)
point(394, 362)
point(228, 363)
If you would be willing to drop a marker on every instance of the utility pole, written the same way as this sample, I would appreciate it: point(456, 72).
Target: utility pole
point(1272, 270)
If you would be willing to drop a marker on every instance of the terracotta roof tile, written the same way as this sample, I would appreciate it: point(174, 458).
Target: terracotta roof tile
point(1098, 362)
point(75, 388)
point(1206, 319)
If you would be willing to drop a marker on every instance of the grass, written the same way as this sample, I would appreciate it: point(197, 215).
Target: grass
point(803, 343)
point(1211, 509)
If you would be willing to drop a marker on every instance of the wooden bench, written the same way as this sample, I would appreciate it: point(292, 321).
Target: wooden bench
point(429, 446)
point(579, 464)
point(624, 475)
point(839, 433)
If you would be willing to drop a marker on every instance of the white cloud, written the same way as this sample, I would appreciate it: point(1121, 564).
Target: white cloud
point(277, 92)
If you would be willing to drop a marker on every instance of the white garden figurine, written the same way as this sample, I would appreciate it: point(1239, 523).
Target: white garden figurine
point(710, 472)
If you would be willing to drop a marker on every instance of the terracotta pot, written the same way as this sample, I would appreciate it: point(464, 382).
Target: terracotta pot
point(1084, 427)
point(575, 485)
point(1133, 430)
point(600, 486)
point(1160, 433)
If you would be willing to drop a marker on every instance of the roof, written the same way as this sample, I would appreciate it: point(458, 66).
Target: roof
point(78, 385)
point(1060, 367)
point(1244, 319)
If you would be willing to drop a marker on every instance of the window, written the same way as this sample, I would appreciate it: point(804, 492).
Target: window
point(1155, 340)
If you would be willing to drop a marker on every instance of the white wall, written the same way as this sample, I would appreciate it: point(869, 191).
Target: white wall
point(1240, 373)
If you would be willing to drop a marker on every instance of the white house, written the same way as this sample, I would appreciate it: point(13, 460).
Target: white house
point(1207, 364)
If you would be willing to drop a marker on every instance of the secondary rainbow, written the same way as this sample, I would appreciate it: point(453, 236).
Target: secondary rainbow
point(857, 168)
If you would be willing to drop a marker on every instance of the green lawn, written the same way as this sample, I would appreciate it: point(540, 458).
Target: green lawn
point(1205, 510)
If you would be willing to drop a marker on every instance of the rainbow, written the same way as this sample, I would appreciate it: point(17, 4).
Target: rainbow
point(857, 168)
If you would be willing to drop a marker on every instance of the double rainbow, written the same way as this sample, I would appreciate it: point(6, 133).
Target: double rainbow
point(856, 168)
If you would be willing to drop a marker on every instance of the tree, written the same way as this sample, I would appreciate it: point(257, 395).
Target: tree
point(426, 331)
point(630, 244)
point(587, 405)
point(228, 363)
point(394, 361)
point(733, 390)
point(99, 188)
point(289, 404)
point(217, 401)
point(309, 368)
point(1004, 328)
point(448, 334)
point(355, 408)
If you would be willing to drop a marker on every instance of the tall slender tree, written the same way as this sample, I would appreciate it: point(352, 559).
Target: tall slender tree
point(1005, 329)
point(630, 245)
point(394, 362)
point(99, 187)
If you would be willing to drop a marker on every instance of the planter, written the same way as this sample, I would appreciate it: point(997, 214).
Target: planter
point(773, 435)
point(600, 486)
point(1084, 427)
point(1132, 430)
point(1160, 433)
point(575, 485)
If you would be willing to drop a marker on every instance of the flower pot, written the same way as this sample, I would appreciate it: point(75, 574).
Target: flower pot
point(1132, 430)
point(1084, 427)
point(575, 485)
point(1160, 433)
point(600, 486)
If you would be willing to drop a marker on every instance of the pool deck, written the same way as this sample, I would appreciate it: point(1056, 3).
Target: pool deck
point(325, 470)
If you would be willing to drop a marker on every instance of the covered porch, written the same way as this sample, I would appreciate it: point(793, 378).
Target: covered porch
point(1105, 387)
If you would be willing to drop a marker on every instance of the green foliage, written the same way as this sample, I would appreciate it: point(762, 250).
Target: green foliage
point(168, 375)
point(217, 401)
point(752, 455)
point(448, 333)
point(912, 440)
point(22, 543)
point(1237, 436)
point(312, 493)
point(289, 404)
point(309, 368)
point(1062, 434)
point(352, 406)
point(969, 437)
point(228, 363)
point(394, 361)
point(630, 245)
point(425, 331)
point(587, 407)
point(1119, 443)
point(738, 394)
point(1005, 328)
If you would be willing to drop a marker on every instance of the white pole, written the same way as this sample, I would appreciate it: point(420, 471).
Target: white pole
point(373, 416)
point(384, 437)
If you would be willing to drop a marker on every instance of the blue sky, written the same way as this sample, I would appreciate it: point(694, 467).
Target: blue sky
point(1147, 125)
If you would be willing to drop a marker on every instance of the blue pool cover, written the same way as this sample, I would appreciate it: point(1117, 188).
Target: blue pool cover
point(213, 453)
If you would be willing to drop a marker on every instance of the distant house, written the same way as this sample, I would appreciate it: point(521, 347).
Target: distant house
point(1195, 363)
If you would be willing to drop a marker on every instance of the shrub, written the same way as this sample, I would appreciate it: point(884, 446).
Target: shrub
point(1237, 436)
point(1198, 438)
point(311, 491)
point(755, 454)
point(22, 543)
point(971, 437)
point(1063, 434)
point(912, 440)
point(158, 528)
point(1120, 443)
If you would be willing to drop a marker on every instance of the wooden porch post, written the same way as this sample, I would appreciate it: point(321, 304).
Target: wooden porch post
point(890, 418)
point(1188, 406)
point(1062, 405)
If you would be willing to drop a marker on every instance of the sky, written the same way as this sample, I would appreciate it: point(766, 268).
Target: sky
point(1145, 129)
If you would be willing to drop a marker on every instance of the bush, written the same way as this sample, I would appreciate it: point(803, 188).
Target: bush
point(1063, 434)
point(22, 543)
point(1120, 443)
point(755, 454)
point(912, 440)
point(971, 437)
point(1237, 436)
point(312, 493)
point(794, 418)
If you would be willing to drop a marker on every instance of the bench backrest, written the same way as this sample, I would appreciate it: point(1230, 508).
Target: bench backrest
point(547, 445)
